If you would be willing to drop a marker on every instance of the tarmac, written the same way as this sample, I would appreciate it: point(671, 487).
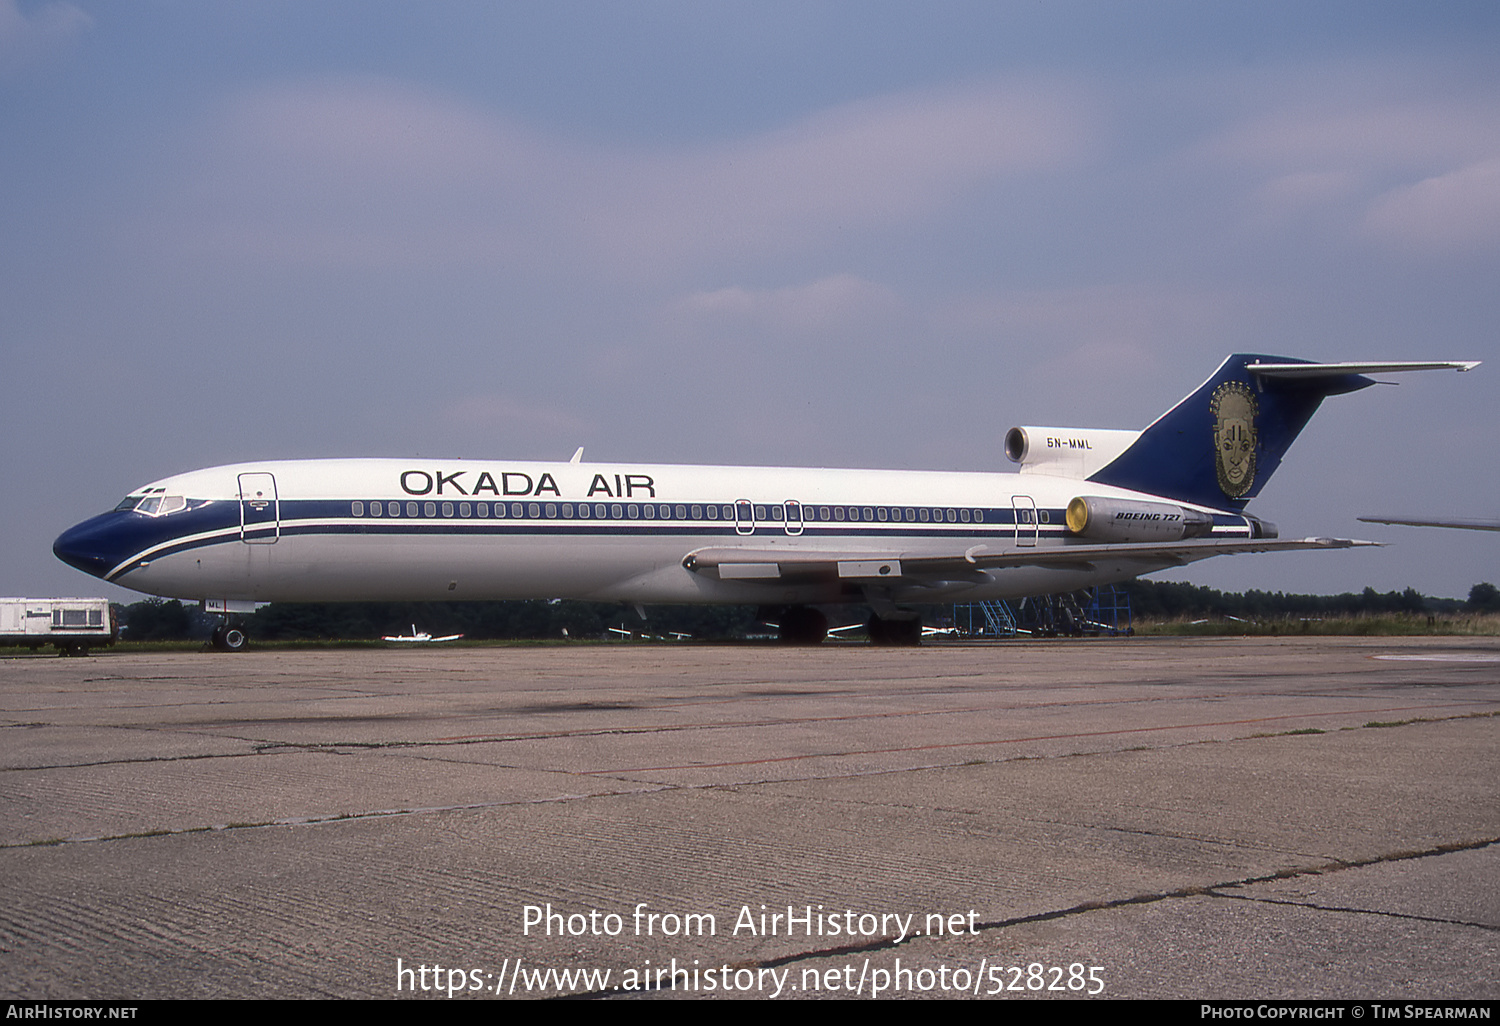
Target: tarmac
point(1250, 819)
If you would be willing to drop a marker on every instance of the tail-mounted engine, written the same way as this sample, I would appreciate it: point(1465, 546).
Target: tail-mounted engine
point(1065, 452)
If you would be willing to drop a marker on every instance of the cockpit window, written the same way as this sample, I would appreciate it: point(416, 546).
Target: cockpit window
point(153, 505)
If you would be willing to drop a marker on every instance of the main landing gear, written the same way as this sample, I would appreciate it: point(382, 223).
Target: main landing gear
point(892, 633)
point(890, 626)
point(803, 625)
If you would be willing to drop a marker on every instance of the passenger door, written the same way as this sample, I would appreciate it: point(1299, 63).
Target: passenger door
point(260, 510)
point(1024, 507)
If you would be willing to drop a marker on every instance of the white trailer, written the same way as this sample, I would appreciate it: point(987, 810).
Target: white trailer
point(74, 625)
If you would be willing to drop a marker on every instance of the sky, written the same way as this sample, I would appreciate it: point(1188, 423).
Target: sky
point(864, 234)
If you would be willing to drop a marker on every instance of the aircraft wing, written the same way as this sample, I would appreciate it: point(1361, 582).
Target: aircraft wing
point(791, 565)
point(1462, 523)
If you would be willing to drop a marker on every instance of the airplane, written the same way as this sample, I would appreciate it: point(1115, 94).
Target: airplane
point(1460, 523)
point(419, 637)
point(1088, 507)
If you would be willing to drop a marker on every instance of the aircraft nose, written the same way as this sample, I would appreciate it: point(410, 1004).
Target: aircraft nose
point(91, 546)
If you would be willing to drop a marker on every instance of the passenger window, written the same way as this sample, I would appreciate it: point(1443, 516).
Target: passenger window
point(681, 512)
point(463, 509)
point(551, 511)
point(633, 511)
point(481, 509)
point(429, 509)
point(515, 510)
point(357, 508)
point(411, 509)
point(447, 509)
point(533, 510)
point(376, 509)
point(697, 512)
point(615, 511)
point(567, 511)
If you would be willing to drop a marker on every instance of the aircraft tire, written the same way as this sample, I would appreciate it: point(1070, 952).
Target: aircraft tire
point(803, 625)
point(895, 633)
point(229, 639)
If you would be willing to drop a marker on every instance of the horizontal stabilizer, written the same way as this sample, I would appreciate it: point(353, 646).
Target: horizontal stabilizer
point(1462, 523)
point(1334, 370)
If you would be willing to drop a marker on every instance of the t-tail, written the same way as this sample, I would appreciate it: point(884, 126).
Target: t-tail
point(1220, 445)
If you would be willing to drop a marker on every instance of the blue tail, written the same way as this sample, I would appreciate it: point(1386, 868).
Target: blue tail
point(1222, 443)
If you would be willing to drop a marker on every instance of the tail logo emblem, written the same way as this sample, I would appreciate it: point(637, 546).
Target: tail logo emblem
point(1234, 409)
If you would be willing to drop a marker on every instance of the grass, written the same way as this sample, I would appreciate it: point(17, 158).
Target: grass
point(1379, 625)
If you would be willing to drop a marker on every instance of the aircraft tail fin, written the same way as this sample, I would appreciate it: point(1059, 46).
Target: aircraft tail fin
point(1221, 444)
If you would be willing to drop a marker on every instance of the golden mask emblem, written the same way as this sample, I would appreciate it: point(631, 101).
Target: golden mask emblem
point(1234, 409)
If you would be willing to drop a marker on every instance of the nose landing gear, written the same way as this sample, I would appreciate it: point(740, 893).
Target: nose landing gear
point(227, 638)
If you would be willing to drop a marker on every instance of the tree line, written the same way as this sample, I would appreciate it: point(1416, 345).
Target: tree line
point(169, 619)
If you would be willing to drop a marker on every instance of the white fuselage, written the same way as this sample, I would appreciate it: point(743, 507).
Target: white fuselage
point(374, 529)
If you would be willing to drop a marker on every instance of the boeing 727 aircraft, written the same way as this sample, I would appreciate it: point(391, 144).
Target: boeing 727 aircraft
point(1088, 507)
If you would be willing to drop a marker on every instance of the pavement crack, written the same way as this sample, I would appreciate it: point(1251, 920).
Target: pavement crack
point(1358, 911)
point(1213, 890)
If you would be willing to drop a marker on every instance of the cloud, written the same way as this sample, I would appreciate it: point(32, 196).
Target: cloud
point(1459, 210)
point(1364, 134)
point(1424, 174)
point(373, 172)
point(875, 163)
point(1129, 321)
point(24, 40)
